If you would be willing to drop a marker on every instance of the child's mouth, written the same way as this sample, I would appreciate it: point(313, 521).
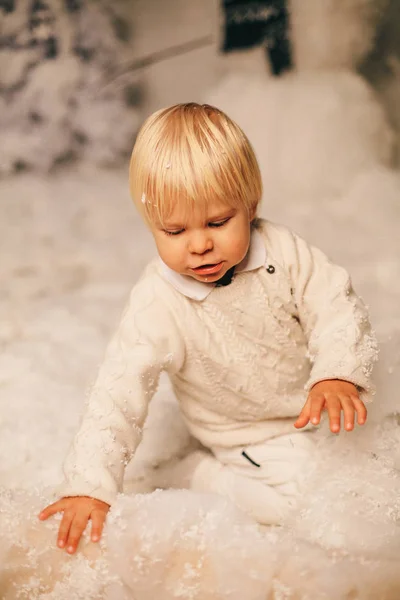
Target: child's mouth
point(208, 269)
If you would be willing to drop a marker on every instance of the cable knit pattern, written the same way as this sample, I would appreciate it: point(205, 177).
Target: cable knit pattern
point(241, 360)
point(146, 343)
point(334, 319)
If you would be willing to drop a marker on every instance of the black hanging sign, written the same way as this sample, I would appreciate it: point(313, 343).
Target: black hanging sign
point(250, 23)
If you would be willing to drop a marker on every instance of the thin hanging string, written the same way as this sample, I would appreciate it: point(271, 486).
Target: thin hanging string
point(160, 56)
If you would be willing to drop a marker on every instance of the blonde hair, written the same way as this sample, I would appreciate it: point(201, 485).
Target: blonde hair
point(189, 155)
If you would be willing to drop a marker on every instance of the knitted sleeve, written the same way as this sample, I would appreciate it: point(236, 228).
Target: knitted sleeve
point(341, 343)
point(146, 342)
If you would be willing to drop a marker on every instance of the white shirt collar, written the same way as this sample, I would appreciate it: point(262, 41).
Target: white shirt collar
point(197, 290)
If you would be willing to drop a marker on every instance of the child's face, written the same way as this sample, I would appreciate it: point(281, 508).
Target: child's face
point(205, 244)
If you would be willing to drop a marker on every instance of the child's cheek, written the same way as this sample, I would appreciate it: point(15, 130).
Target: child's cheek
point(238, 244)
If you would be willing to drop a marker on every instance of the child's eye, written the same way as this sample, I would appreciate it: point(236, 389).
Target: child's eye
point(176, 232)
point(219, 223)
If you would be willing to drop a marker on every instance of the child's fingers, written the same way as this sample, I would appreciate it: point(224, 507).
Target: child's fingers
point(304, 416)
point(360, 409)
point(64, 528)
point(302, 420)
point(317, 404)
point(334, 410)
point(51, 510)
point(348, 412)
point(98, 517)
point(78, 526)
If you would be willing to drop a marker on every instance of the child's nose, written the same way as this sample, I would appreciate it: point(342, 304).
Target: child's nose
point(200, 242)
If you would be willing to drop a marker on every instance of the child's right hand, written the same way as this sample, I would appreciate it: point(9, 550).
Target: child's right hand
point(77, 512)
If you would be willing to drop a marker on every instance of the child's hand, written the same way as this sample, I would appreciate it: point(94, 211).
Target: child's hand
point(77, 512)
point(333, 395)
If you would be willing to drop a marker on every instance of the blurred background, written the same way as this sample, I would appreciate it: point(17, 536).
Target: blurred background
point(314, 83)
point(78, 76)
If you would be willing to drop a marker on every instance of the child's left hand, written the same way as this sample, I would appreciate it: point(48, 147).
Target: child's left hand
point(333, 395)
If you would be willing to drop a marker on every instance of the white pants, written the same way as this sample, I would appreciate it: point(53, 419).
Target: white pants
point(262, 479)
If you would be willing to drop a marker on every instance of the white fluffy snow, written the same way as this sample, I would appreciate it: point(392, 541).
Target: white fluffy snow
point(72, 246)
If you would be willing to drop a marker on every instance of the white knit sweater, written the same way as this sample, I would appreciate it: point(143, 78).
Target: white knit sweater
point(241, 358)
